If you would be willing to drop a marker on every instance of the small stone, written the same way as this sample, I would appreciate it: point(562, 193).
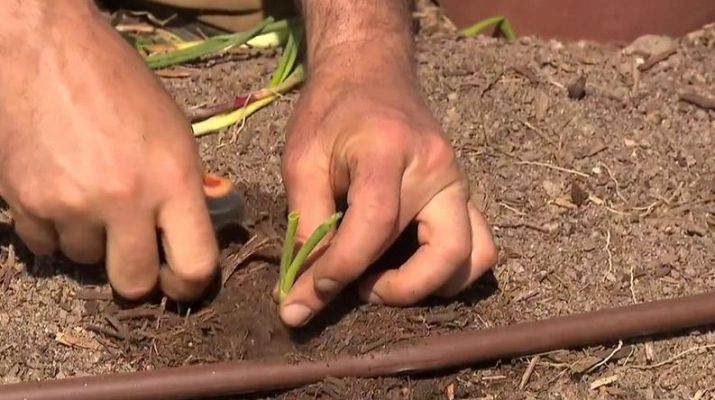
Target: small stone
point(648, 45)
point(578, 195)
point(552, 189)
point(663, 270)
point(577, 89)
point(541, 105)
point(9, 380)
point(584, 364)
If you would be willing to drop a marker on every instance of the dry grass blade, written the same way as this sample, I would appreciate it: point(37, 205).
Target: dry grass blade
point(657, 58)
point(209, 47)
point(603, 382)
point(675, 357)
point(606, 359)
point(702, 101)
point(528, 372)
point(251, 247)
point(554, 167)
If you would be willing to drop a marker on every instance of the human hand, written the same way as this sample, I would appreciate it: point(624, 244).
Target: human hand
point(372, 141)
point(95, 156)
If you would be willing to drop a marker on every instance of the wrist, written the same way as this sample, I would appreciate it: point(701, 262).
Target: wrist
point(363, 62)
point(358, 40)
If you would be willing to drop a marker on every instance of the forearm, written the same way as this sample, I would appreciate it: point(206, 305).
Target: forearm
point(34, 17)
point(358, 37)
point(29, 26)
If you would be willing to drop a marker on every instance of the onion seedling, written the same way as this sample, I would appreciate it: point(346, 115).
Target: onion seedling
point(214, 45)
point(290, 265)
point(293, 80)
point(501, 22)
point(224, 115)
point(287, 76)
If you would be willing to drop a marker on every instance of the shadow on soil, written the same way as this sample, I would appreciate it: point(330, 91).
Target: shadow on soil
point(94, 275)
point(403, 248)
point(446, 372)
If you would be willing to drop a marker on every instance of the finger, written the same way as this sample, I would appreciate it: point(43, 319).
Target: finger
point(82, 242)
point(310, 195)
point(483, 257)
point(132, 259)
point(369, 227)
point(37, 234)
point(190, 246)
point(445, 240)
point(314, 205)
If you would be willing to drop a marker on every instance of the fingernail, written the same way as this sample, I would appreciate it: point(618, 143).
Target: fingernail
point(327, 285)
point(274, 294)
point(296, 314)
point(374, 298)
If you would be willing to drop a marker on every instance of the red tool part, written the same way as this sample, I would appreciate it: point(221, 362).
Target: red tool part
point(225, 203)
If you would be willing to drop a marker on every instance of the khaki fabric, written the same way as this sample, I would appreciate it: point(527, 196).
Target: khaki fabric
point(232, 15)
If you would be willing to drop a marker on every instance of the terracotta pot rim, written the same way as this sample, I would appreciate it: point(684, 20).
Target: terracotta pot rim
point(598, 20)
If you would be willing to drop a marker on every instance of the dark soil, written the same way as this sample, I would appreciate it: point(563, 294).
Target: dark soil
point(598, 180)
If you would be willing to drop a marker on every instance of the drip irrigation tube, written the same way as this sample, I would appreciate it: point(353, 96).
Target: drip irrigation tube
point(435, 353)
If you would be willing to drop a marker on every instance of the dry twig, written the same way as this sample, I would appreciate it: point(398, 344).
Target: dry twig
point(608, 251)
point(607, 358)
point(555, 167)
point(538, 131)
point(632, 283)
point(657, 58)
point(613, 178)
point(251, 247)
point(702, 101)
point(675, 357)
point(527, 373)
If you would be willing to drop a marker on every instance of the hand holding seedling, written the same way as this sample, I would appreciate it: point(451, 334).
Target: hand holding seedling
point(95, 156)
point(361, 131)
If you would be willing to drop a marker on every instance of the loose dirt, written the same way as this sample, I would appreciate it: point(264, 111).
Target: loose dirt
point(597, 178)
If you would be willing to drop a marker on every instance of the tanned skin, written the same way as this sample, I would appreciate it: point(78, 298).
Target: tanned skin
point(361, 131)
point(95, 156)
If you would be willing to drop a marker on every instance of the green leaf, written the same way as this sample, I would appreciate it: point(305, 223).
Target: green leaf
point(290, 54)
point(211, 46)
point(500, 21)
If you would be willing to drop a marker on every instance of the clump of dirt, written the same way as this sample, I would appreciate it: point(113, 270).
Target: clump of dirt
point(599, 195)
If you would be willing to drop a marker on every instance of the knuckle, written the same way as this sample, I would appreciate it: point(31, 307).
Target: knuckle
point(350, 267)
point(72, 199)
point(456, 252)
point(175, 173)
point(294, 166)
point(200, 271)
point(380, 214)
point(487, 255)
point(121, 189)
point(394, 133)
point(440, 154)
point(30, 202)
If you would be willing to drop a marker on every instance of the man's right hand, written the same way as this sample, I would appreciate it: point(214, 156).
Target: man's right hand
point(95, 156)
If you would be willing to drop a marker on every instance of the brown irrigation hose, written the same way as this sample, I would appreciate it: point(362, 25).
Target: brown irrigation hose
point(440, 352)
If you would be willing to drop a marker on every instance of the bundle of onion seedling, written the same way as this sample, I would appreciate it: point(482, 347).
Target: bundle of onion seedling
point(500, 22)
point(292, 262)
point(267, 34)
